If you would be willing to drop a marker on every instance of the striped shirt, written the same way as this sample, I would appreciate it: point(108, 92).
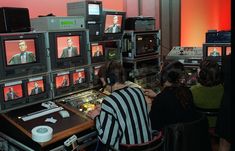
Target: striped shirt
point(124, 118)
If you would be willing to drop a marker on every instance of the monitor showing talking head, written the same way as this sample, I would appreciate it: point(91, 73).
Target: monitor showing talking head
point(228, 50)
point(113, 25)
point(20, 51)
point(68, 47)
point(97, 52)
point(35, 87)
point(13, 92)
point(62, 81)
point(214, 51)
point(79, 76)
point(22, 54)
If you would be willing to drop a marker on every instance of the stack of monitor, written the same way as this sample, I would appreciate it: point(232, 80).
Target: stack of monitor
point(23, 69)
point(216, 51)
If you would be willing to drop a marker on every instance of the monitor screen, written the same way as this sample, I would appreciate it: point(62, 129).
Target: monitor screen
point(68, 46)
point(97, 50)
point(113, 23)
point(20, 51)
point(35, 86)
point(13, 91)
point(62, 80)
point(112, 53)
point(228, 51)
point(214, 51)
point(93, 9)
point(79, 76)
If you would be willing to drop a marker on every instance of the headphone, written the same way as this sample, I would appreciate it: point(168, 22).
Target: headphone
point(111, 78)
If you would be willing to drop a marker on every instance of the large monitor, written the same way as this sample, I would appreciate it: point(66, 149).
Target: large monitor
point(113, 25)
point(68, 49)
point(22, 54)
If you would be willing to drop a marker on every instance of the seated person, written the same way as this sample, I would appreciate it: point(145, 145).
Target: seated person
point(124, 111)
point(80, 78)
point(174, 103)
point(207, 94)
point(70, 50)
point(36, 89)
point(11, 94)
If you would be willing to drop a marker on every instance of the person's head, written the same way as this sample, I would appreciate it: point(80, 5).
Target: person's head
point(172, 73)
point(22, 45)
point(209, 73)
point(35, 84)
point(69, 42)
point(10, 89)
point(115, 19)
point(111, 73)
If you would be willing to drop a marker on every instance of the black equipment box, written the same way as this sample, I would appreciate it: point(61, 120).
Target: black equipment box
point(14, 19)
point(218, 36)
point(140, 23)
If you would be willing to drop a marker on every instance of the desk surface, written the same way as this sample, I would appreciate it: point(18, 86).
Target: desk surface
point(63, 128)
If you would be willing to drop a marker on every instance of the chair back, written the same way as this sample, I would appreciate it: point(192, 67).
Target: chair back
point(191, 136)
point(154, 145)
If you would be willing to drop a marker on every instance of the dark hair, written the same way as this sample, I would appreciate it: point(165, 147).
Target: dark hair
point(210, 73)
point(172, 72)
point(112, 70)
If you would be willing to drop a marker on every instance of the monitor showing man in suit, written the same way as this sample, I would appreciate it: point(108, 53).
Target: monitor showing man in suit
point(70, 50)
point(215, 52)
point(97, 50)
point(11, 94)
point(79, 77)
point(115, 27)
point(36, 89)
point(62, 81)
point(24, 56)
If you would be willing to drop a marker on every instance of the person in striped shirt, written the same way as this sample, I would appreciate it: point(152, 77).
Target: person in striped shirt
point(123, 116)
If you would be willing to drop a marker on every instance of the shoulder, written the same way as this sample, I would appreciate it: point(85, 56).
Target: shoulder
point(16, 56)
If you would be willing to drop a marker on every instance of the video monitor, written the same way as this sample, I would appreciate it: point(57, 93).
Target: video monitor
point(79, 76)
point(35, 86)
point(68, 49)
point(112, 50)
point(97, 53)
point(228, 51)
point(214, 51)
point(22, 54)
point(62, 81)
point(20, 51)
point(113, 25)
point(94, 8)
point(13, 91)
point(68, 46)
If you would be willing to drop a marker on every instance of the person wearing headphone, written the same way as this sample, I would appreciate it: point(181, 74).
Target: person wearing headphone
point(123, 116)
point(209, 91)
point(175, 101)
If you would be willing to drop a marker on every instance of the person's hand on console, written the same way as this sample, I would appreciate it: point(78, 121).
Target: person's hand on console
point(92, 114)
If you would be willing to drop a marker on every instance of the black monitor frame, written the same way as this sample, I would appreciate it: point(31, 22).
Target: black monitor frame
point(113, 36)
point(12, 71)
point(62, 63)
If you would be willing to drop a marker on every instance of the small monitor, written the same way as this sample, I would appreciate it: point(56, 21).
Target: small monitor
point(113, 25)
point(94, 9)
point(35, 87)
point(13, 91)
point(228, 50)
point(96, 80)
point(62, 81)
point(97, 52)
point(20, 52)
point(79, 77)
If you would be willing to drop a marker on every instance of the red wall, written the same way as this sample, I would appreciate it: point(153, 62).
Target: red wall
point(199, 16)
point(57, 7)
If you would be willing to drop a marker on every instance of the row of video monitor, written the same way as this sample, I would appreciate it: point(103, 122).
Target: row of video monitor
point(26, 53)
point(35, 89)
point(216, 51)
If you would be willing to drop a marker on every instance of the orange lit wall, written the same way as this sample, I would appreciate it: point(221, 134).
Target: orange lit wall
point(199, 16)
point(57, 7)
